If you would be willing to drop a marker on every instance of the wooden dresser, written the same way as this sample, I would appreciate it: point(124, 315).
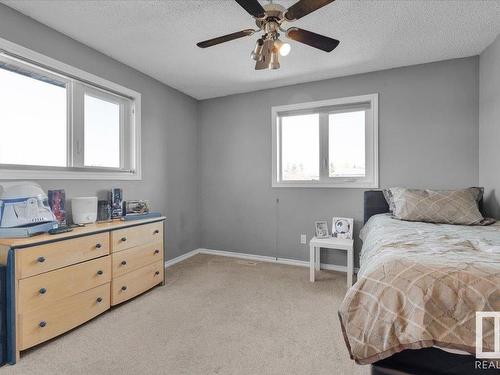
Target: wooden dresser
point(56, 282)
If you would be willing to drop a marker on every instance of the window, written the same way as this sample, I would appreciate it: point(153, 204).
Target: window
point(300, 142)
point(59, 122)
point(101, 133)
point(32, 116)
point(331, 143)
point(346, 144)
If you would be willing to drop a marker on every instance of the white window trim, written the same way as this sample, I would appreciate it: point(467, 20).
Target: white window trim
point(372, 157)
point(45, 173)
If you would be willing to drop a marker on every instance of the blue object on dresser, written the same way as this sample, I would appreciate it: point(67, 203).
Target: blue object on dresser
point(9, 308)
point(27, 231)
point(149, 215)
point(3, 315)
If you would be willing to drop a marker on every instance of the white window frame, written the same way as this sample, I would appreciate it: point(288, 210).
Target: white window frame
point(79, 82)
point(325, 107)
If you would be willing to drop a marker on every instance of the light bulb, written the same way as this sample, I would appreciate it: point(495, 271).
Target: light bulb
point(285, 49)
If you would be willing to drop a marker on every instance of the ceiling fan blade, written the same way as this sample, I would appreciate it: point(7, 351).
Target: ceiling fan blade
point(225, 38)
point(312, 39)
point(303, 7)
point(253, 7)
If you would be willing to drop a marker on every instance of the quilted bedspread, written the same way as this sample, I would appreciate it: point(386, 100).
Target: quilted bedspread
point(420, 285)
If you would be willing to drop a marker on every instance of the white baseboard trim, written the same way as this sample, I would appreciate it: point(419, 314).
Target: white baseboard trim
point(180, 258)
point(233, 254)
point(258, 258)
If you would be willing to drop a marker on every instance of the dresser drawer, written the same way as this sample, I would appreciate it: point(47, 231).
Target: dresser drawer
point(136, 282)
point(43, 290)
point(136, 257)
point(135, 236)
point(43, 324)
point(54, 255)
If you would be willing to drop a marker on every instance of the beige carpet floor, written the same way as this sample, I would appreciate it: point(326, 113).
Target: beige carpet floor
point(216, 315)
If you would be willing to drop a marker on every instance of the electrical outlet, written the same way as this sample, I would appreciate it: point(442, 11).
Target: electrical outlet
point(303, 239)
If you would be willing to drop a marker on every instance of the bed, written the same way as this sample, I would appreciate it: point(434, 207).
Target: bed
point(419, 286)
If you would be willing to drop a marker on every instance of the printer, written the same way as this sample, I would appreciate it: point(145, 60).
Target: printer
point(23, 204)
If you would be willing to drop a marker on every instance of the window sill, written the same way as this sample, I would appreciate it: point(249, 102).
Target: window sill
point(34, 174)
point(348, 185)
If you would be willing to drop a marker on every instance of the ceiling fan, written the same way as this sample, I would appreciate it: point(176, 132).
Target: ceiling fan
point(270, 19)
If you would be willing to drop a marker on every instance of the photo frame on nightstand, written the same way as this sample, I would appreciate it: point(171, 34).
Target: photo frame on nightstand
point(321, 229)
point(342, 227)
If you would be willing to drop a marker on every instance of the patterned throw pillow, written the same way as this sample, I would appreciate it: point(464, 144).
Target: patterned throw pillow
point(436, 206)
point(390, 200)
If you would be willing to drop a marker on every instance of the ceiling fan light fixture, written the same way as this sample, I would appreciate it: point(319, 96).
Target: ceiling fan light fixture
point(256, 54)
point(274, 63)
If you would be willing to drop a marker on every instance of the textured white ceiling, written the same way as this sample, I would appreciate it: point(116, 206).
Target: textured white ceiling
point(159, 37)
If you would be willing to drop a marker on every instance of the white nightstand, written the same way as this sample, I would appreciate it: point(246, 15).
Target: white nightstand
point(315, 246)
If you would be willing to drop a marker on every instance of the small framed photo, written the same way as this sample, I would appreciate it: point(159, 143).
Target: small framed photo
point(136, 207)
point(342, 227)
point(57, 204)
point(321, 228)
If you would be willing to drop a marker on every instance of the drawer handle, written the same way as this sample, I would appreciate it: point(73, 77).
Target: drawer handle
point(123, 239)
point(123, 263)
point(100, 272)
point(156, 231)
point(40, 259)
point(42, 324)
point(157, 251)
point(124, 287)
point(98, 246)
point(157, 273)
point(99, 299)
point(42, 290)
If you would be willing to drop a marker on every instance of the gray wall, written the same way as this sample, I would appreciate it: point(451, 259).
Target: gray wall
point(169, 132)
point(428, 126)
point(206, 165)
point(489, 126)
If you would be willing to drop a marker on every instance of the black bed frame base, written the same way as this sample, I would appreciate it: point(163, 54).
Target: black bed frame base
point(429, 361)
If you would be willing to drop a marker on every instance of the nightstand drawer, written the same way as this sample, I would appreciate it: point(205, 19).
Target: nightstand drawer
point(43, 324)
point(136, 282)
point(43, 290)
point(136, 257)
point(54, 255)
point(135, 236)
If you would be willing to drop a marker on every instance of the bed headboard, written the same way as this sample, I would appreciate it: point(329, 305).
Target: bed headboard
point(375, 203)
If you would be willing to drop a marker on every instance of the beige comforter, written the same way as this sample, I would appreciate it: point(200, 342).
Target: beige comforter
point(420, 285)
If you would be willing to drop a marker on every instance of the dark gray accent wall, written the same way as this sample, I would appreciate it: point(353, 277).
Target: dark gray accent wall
point(169, 132)
point(489, 127)
point(428, 131)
